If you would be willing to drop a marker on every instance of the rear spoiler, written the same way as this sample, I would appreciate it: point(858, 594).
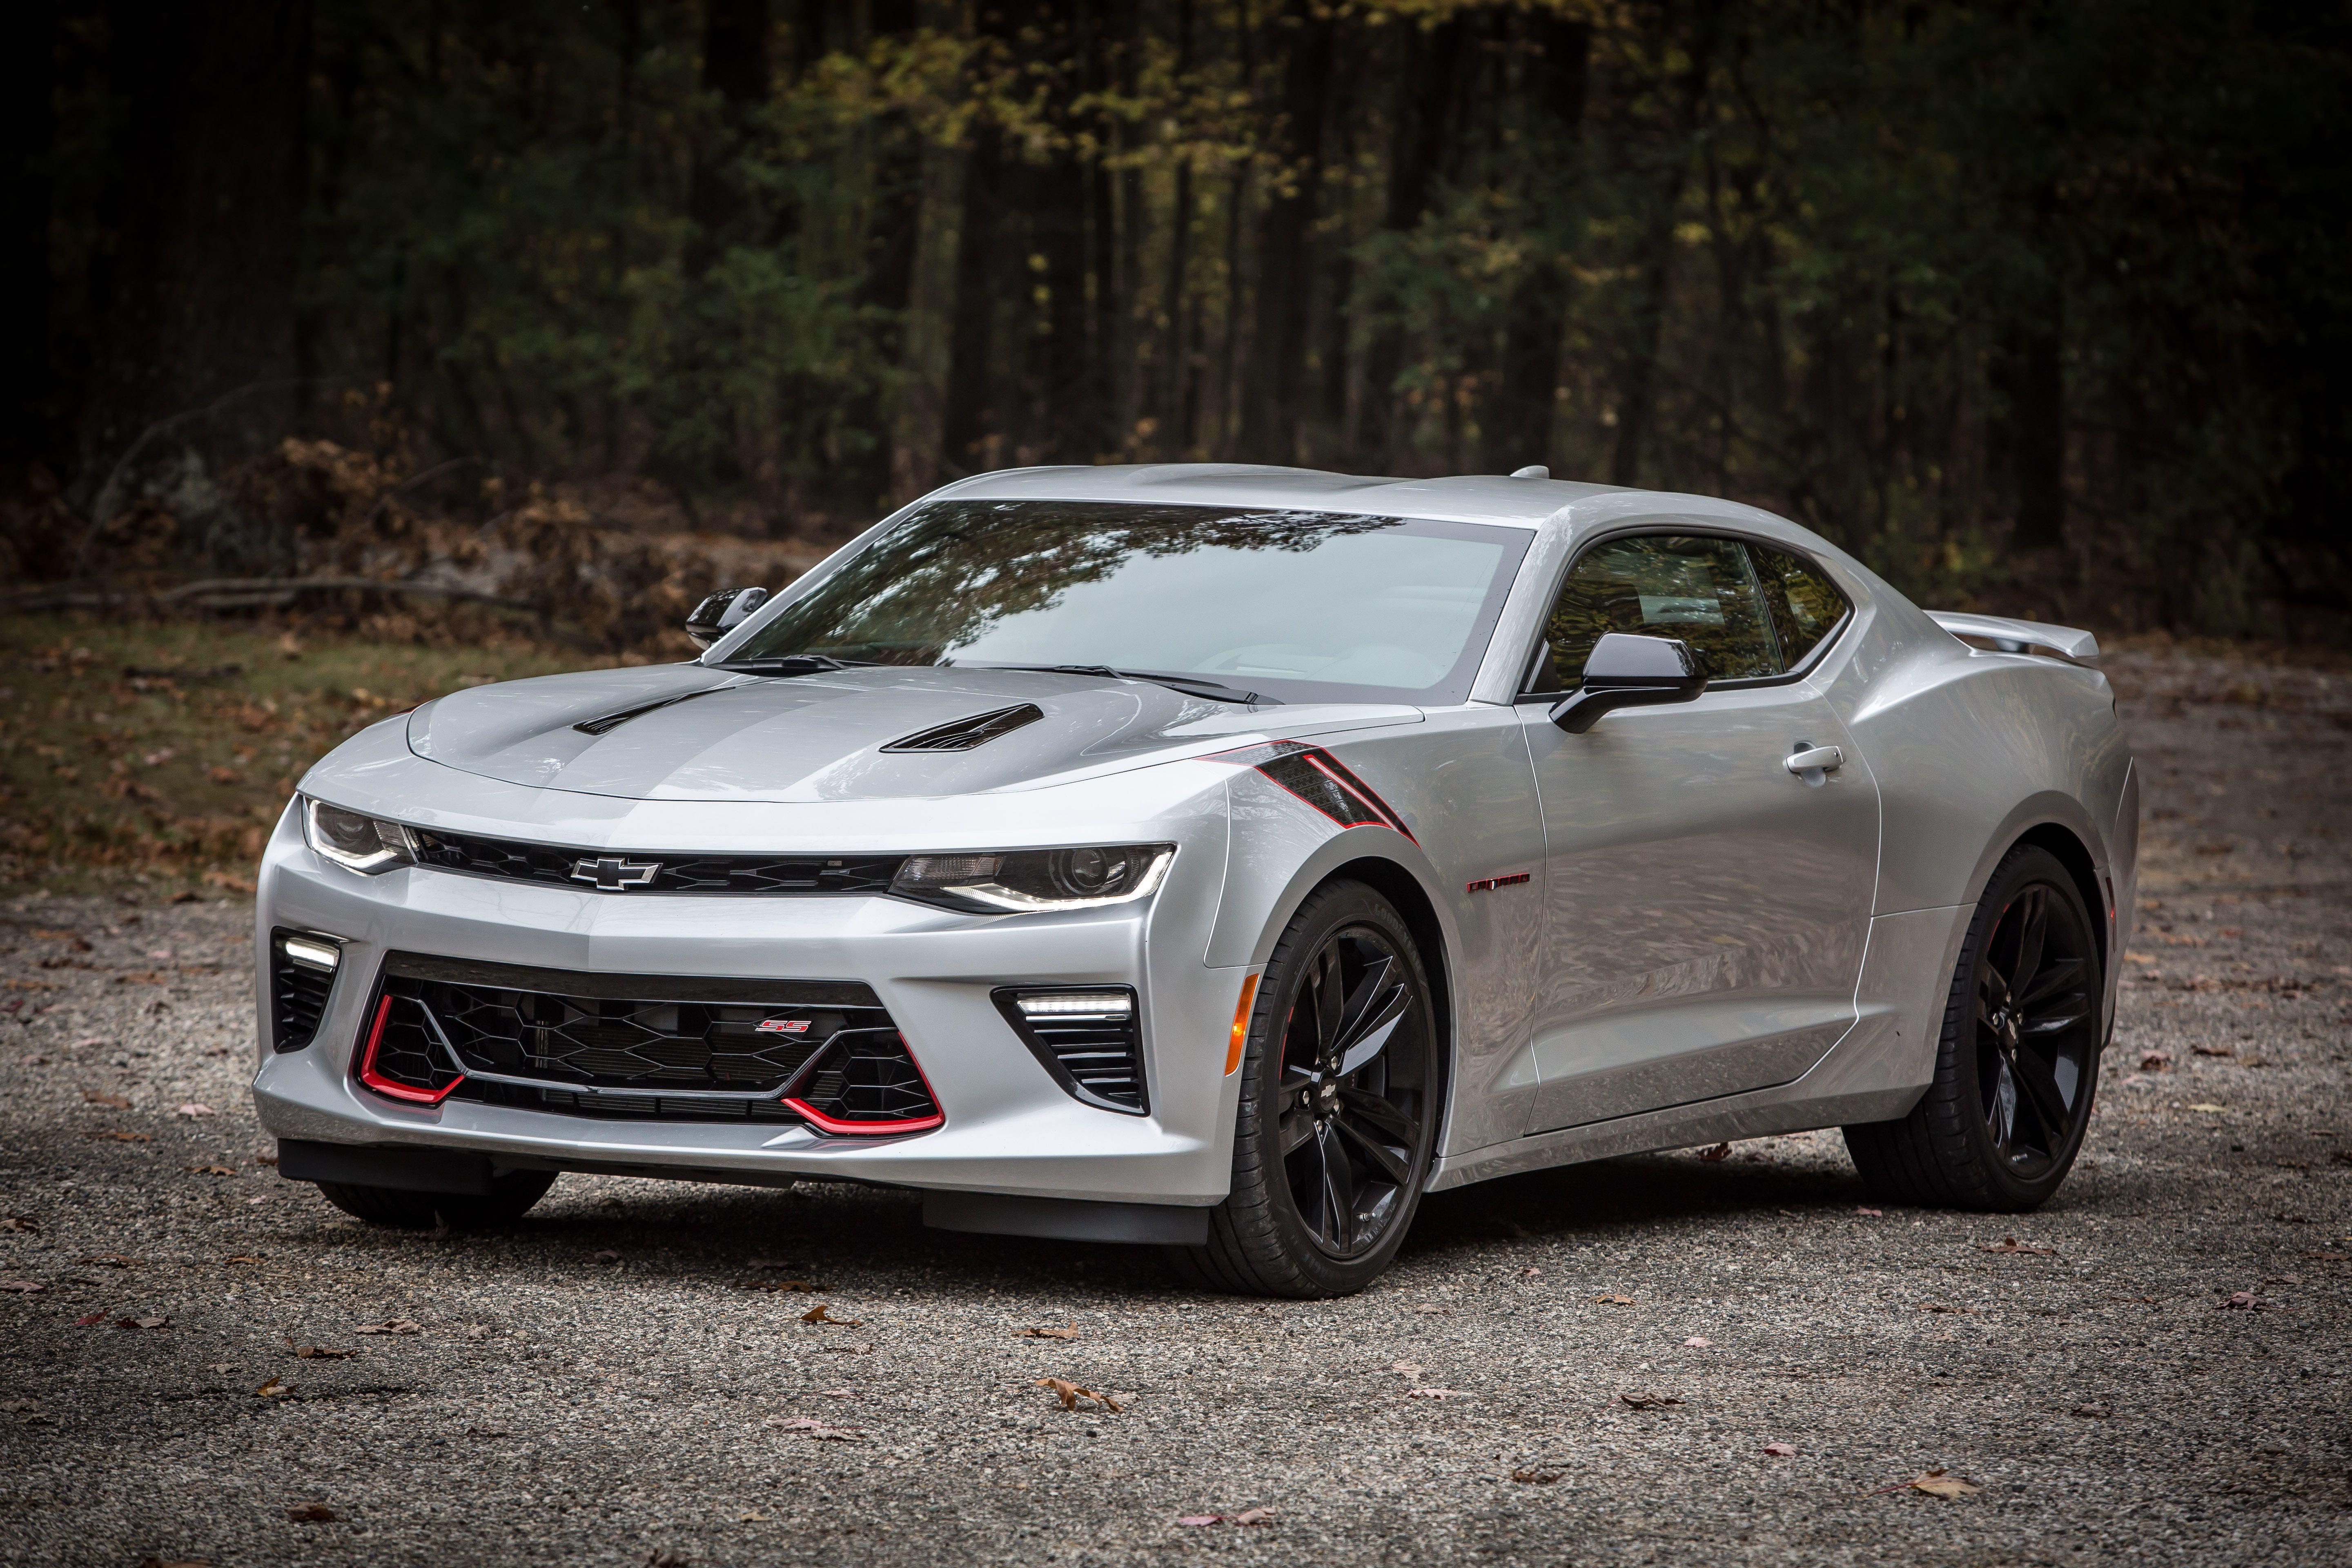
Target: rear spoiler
point(1998, 634)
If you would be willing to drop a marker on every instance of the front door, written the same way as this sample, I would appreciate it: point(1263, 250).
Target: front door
point(1705, 907)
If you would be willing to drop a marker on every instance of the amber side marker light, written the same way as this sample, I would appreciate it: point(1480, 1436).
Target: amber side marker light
point(1240, 1025)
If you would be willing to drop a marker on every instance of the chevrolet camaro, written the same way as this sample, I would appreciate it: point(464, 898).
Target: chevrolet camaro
point(1221, 857)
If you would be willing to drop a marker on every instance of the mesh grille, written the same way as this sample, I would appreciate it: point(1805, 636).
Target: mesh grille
point(646, 1046)
point(297, 995)
point(683, 872)
point(1097, 1057)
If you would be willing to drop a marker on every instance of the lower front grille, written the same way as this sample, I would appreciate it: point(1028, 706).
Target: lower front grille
point(656, 1048)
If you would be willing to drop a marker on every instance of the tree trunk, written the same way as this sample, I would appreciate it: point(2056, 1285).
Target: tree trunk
point(1422, 130)
point(2028, 437)
point(734, 66)
point(1517, 428)
point(27, 73)
point(1273, 396)
point(205, 188)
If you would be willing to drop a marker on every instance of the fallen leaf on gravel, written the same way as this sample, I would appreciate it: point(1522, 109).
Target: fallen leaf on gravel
point(311, 1513)
point(100, 1097)
point(1246, 1516)
point(755, 1519)
point(1194, 1520)
point(315, 1352)
point(1780, 1450)
point(666, 1557)
point(89, 1040)
point(839, 1392)
point(1615, 1301)
point(1935, 1483)
point(2010, 1244)
point(2215, 1050)
point(213, 1170)
point(1253, 1516)
point(1434, 1393)
point(1529, 1272)
point(23, 1222)
point(819, 1314)
point(1406, 1368)
point(143, 1322)
point(823, 1430)
point(1647, 1401)
point(784, 1287)
point(2155, 1061)
point(1069, 1393)
point(112, 1260)
point(1937, 1306)
point(2092, 1410)
point(1696, 1343)
point(2292, 1218)
point(1430, 1307)
point(264, 1159)
point(90, 1320)
point(1873, 1214)
point(21, 1286)
point(392, 1326)
point(191, 1108)
point(1068, 1333)
point(2241, 1301)
point(1720, 1152)
point(2206, 1105)
point(1536, 1475)
point(271, 1389)
point(607, 1255)
point(240, 1257)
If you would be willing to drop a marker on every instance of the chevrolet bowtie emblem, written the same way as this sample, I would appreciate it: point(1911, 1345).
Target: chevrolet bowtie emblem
point(613, 873)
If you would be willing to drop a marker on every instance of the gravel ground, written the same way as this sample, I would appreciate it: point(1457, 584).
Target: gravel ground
point(2168, 1381)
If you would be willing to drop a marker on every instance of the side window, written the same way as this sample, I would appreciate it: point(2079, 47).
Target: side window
point(1805, 604)
point(1689, 586)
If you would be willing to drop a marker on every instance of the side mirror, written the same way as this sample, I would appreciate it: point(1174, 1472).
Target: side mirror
point(721, 612)
point(1628, 671)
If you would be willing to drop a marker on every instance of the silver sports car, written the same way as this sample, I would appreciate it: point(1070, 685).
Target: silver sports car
point(1221, 857)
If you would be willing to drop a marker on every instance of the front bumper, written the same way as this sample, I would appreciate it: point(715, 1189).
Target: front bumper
point(1009, 1127)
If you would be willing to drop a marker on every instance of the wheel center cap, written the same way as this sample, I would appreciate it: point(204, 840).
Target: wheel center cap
point(1330, 1095)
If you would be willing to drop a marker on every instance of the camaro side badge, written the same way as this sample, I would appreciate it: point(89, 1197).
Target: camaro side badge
point(1488, 884)
point(611, 872)
point(781, 1026)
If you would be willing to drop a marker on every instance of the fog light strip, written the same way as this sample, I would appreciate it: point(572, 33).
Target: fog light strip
point(1240, 1025)
point(316, 954)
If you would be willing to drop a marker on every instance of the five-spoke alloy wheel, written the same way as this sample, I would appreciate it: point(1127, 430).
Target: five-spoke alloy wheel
point(1339, 1094)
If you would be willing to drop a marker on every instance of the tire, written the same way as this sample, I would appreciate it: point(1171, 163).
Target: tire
point(511, 1196)
point(2017, 1065)
point(1328, 1165)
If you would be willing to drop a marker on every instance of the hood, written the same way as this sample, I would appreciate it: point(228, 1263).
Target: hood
point(698, 733)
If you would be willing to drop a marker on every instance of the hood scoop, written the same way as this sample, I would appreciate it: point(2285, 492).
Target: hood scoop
point(611, 721)
point(963, 734)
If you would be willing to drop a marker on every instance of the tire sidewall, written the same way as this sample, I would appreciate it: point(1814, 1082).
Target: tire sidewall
point(1336, 908)
point(2023, 869)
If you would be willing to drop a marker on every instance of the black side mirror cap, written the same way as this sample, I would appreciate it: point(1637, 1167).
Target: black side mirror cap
point(1628, 671)
point(721, 612)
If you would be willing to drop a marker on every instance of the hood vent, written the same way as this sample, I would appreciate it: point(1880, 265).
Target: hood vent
point(612, 721)
point(963, 734)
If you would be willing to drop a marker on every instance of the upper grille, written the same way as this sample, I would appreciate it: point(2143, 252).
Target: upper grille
point(669, 1047)
point(686, 871)
point(297, 995)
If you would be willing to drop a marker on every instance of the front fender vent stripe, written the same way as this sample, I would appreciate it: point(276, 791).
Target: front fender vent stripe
point(963, 734)
point(1322, 781)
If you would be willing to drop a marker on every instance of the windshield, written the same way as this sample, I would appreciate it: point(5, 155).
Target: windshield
point(1304, 606)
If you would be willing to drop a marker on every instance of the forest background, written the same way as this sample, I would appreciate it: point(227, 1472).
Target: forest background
point(2035, 305)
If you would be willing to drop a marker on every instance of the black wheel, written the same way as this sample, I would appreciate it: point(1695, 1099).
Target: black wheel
point(1340, 1096)
point(512, 1196)
point(2018, 1060)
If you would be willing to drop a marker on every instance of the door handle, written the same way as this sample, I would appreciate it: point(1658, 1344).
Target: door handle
point(1811, 762)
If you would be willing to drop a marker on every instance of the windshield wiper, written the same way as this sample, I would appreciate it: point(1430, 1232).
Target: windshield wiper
point(786, 664)
point(1190, 685)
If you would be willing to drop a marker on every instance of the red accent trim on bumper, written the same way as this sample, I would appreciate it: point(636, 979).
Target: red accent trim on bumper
point(384, 1086)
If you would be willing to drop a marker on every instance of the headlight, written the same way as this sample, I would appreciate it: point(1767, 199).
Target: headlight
point(364, 843)
point(1019, 879)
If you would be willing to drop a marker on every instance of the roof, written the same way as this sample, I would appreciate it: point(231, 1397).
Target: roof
point(1473, 497)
